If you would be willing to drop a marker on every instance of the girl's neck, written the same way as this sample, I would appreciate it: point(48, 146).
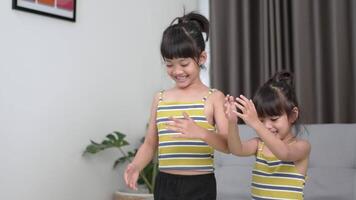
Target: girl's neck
point(198, 85)
point(191, 93)
point(289, 138)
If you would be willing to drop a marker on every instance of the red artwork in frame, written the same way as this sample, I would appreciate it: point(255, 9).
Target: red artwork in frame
point(62, 9)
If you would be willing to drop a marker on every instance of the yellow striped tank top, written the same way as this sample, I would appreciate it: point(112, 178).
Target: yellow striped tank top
point(183, 153)
point(275, 179)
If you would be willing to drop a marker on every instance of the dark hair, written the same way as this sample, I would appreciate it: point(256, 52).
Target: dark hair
point(184, 37)
point(277, 96)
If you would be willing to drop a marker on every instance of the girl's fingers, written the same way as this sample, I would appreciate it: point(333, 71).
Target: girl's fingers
point(242, 108)
point(174, 123)
point(134, 186)
point(239, 106)
point(186, 116)
point(248, 101)
point(227, 108)
point(235, 112)
point(125, 178)
point(170, 124)
point(173, 128)
point(244, 98)
point(174, 120)
point(128, 174)
point(235, 104)
point(240, 115)
point(178, 136)
point(231, 98)
point(132, 183)
point(241, 101)
point(252, 105)
point(227, 97)
point(180, 120)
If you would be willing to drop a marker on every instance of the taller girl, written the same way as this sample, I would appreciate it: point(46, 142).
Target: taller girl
point(187, 121)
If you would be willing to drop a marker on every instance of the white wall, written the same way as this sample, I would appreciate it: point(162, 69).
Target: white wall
point(64, 83)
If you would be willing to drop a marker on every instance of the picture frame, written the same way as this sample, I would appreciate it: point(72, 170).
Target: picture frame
point(61, 9)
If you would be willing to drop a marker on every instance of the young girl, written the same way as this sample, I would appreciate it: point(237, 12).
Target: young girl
point(187, 121)
point(281, 158)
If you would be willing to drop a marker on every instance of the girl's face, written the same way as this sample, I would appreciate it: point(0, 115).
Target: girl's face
point(184, 71)
point(280, 125)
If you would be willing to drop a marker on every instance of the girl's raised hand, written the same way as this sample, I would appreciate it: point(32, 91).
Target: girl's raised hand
point(186, 126)
point(131, 175)
point(230, 109)
point(247, 109)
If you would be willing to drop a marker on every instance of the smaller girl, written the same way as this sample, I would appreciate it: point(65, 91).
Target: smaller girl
point(281, 158)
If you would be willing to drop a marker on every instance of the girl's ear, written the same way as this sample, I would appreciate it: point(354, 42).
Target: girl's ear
point(202, 58)
point(294, 115)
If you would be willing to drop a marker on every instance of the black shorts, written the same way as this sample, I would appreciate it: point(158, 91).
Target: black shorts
point(185, 187)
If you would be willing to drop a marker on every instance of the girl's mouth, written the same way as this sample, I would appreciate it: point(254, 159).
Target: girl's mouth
point(181, 78)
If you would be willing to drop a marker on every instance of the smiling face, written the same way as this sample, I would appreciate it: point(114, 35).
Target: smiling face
point(281, 125)
point(184, 71)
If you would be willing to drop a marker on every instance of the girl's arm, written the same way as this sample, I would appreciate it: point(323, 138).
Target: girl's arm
point(218, 139)
point(236, 146)
point(286, 152)
point(146, 151)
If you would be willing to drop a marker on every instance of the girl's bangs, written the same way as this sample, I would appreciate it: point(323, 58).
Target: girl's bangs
point(269, 103)
point(176, 44)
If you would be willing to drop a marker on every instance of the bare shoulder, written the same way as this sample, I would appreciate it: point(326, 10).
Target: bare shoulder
point(168, 90)
point(254, 141)
point(302, 144)
point(157, 95)
point(216, 100)
point(217, 95)
point(156, 98)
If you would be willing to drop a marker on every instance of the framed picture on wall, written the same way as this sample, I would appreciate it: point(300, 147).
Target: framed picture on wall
point(62, 9)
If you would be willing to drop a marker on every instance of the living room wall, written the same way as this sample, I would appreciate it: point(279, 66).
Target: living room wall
point(63, 83)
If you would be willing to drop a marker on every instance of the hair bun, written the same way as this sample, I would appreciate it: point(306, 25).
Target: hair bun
point(201, 22)
point(182, 19)
point(283, 76)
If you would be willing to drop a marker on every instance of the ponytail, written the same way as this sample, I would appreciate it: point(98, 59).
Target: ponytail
point(184, 37)
point(201, 21)
point(285, 77)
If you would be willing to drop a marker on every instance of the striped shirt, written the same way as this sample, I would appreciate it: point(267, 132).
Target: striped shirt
point(275, 179)
point(183, 153)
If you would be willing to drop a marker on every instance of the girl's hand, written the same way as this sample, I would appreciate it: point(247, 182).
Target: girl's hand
point(248, 111)
point(230, 109)
point(131, 175)
point(186, 126)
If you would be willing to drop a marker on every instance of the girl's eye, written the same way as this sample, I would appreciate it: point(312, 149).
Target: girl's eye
point(168, 65)
point(184, 64)
point(274, 118)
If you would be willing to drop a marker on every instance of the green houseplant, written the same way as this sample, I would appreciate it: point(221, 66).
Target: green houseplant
point(117, 141)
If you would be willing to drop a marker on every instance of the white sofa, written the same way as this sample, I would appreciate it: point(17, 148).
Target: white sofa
point(331, 173)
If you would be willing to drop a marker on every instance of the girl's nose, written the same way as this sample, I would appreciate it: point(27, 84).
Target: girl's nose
point(177, 71)
point(267, 124)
